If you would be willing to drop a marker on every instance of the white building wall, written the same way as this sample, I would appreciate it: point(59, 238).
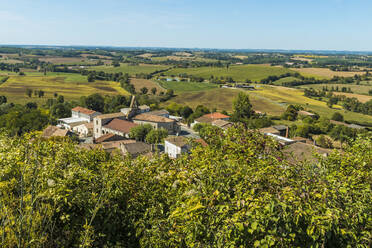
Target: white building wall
point(172, 150)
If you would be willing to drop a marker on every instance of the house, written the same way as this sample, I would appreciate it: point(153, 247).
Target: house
point(174, 146)
point(118, 127)
point(157, 122)
point(222, 124)
point(161, 112)
point(354, 126)
point(283, 130)
point(305, 113)
point(302, 151)
point(209, 118)
point(217, 116)
point(303, 140)
point(101, 120)
point(135, 149)
point(80, 112)
point(84, 130)
point(54, 131)
point(79, 116)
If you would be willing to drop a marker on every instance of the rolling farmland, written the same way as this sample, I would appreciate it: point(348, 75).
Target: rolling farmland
point(130, 69)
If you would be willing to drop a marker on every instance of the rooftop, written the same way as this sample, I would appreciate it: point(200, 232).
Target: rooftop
point(216, 115)
point(120, 125)
point(280, 127)
point(222, 123)
point(111, 116)
point(303, 151)
point(177, 140)
point(136, 148)
point(152, 118)
point(107, 137)
point(83, 110)
point(302, 112)
point(159, 112)
point(269, 130)
point(53, 131)
point(70, 120)
point(204, 119)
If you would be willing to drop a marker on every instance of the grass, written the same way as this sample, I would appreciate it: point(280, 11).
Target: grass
point(324, 73)
point(237, 72)
point(70, 86)
point(186, 86)
point(358, 89)
point(130, 69)
point(286, 80)
point(361, 98)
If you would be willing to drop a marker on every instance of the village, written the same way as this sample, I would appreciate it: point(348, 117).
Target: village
point(111, 132)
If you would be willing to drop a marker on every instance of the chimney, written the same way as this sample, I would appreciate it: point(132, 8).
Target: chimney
point(287, 132)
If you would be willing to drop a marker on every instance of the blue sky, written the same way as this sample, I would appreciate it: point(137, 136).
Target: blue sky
point(255, 24)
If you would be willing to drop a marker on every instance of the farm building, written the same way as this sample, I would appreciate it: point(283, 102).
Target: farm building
point(305, 113)
point(135, 149)
point(101, 120)
point(79, 116)
point(54, 131)
point(209, 118)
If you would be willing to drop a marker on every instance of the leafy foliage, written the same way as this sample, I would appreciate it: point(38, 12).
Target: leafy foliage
point(236, 192)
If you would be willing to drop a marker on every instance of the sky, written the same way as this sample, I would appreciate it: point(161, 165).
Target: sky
point(232, 24)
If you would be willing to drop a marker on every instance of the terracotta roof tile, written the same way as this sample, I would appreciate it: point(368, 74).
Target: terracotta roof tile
point(152, 118)
point(111, 116)
point(108, 137)
point(177, 140)
point(216, 116)
point(120, 125)
point(83, 110)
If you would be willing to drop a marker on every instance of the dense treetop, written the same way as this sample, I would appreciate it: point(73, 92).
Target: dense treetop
point(237, 192)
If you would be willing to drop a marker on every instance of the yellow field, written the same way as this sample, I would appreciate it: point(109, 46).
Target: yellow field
point(15, 88)
point(361, 98)
point(139, 83)
point(324, 73)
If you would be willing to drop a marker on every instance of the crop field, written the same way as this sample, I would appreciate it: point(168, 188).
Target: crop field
point(130, 69)
point(67, 60)
point(10, 61)
point(15, 87)
point(287, 96)
point(186, 86)
point(237, 72)
point(361, 98)
point(222, 99)
point(139, 83)
point(325, 73)
point(357, 89)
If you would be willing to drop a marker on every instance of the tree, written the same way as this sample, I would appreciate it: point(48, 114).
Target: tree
point(55, 94)
point(28, 92)
point(144, 90)
point(60, 110)
point(140, 132)
point(337, 117)
point(31, 105)
point(332, 101)
point(153, 90)
point(115, 63)
point(40, 93)
point(156, 136)
point(3, 99)
point(91, 77)
point(290, 113)
point(242, 108)
point(170, 93)
point(185, 112)
point(324, 142)
point(95, 102)
point(60, 99)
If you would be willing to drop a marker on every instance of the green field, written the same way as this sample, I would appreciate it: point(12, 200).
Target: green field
point(358, 89)
point(285, 80)
point(272, 100)
point(130, 69)
point(237, 72)
point(186, 86)
point(71, 86)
